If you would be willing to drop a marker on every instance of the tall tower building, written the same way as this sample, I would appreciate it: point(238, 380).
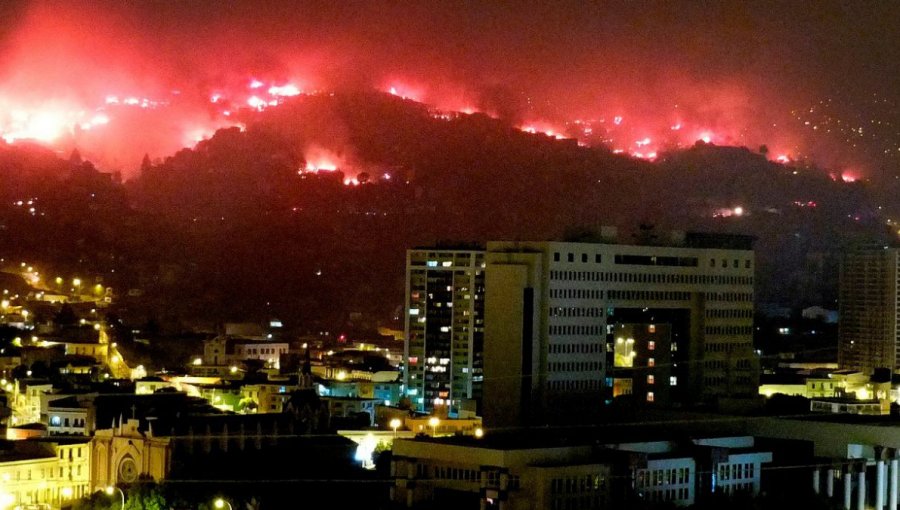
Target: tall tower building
point(444, 330)
point(569, 326)
point(869, 311)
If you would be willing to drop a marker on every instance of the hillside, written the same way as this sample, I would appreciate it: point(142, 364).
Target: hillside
point(239, 228)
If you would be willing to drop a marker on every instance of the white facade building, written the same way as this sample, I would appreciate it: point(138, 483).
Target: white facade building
point(551, 309)
point(518, 472)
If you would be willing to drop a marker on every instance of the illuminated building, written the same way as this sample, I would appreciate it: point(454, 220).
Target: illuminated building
point(869, 329)
point(521, 471)
point(69, 416)
point(225, 351)
point(444, 329)
point(215, 447)
point(555, 313)
point(25, 403)
point(46, 473)
point(265, 397)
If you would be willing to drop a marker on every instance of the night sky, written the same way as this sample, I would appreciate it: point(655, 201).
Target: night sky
point(802, 77)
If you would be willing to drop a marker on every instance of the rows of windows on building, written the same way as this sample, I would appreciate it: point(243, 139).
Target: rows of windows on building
point(677, 279)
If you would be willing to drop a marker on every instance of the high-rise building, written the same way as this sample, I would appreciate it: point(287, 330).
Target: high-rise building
point(569, 326)
point(444, 330)
point(868, 330)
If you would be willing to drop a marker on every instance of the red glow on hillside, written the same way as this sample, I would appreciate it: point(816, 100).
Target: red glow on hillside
point(404, 91)
point(543, 128)
point(76, 75)
point(848, 176)
point(319, 159)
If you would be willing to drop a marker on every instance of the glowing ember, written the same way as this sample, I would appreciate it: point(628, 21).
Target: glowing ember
point(322, 166)
point(257, 103)
point(284, 90)
point(321, 160)
point(728, 212)
point(404, 92)
point(544, 129)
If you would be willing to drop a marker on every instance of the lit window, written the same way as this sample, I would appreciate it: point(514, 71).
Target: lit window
point(649, 396)
point(624, 352)
point(651, 362)
point(651, 379)
point(673, 381)
point(651, 345)
point(432, 263)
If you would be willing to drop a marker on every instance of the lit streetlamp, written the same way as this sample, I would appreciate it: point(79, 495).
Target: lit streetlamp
point(433, 422)
point(222, 503)
point(395, 424)
point(112, 489)
point(479, 433)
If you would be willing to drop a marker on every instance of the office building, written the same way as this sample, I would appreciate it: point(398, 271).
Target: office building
point(524, 471)
point(444, 329)
point(869, 310)
point(569, 326)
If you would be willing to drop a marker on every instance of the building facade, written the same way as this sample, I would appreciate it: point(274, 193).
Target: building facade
point(444, 328)
point(225, 351)
point(868, 329)
point(507, 474)
point(554, 314)
point(44, 473)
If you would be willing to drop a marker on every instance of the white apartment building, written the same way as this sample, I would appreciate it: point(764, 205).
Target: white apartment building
point(551, 310)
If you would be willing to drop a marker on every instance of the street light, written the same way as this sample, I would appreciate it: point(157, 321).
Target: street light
point(395, 424)
point(433, 422)
point(221, 503)
point(479, 433)
point(112, 489)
